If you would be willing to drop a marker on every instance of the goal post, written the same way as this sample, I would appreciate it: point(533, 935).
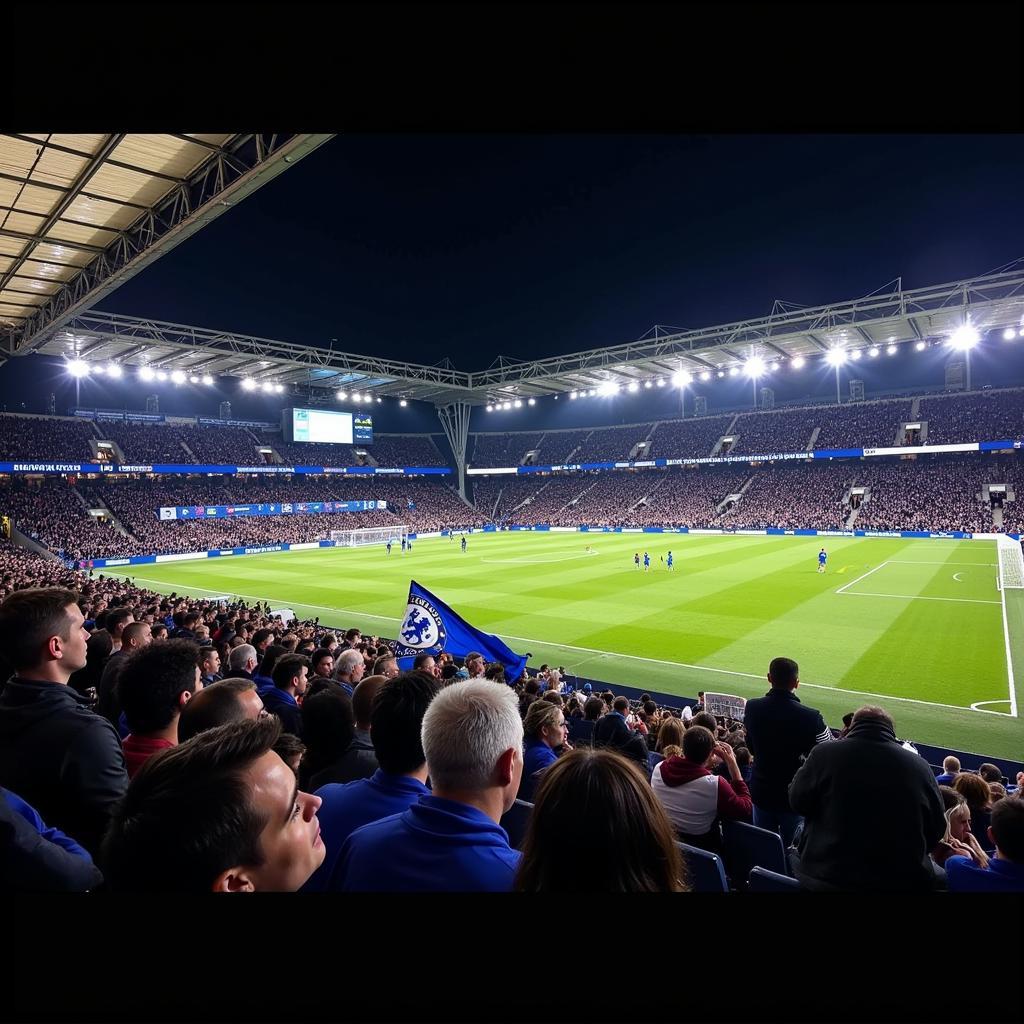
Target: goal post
point(370, 535)
point(1011, 563)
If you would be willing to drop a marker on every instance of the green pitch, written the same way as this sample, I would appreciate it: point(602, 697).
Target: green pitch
point(916, 626)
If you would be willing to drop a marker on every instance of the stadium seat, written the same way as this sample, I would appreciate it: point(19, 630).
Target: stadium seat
point(763, 880)
point(747, 846)
point(706, 871)
point(514, 822)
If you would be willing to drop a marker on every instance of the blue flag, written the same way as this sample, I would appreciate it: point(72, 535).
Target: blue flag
point(430, 626)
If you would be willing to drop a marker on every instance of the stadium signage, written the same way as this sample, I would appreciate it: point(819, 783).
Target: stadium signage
point(193, 512)
point(44, 467)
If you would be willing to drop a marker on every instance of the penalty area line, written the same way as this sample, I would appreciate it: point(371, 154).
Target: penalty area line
point(594, 650)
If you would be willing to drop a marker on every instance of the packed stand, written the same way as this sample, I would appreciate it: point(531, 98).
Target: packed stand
point(794, 497)
point(693, 438)
point(389, 450)
point(868, 425)
point(767, 433)
point(688, 497)
point(45, 439)
point(502, 449)
point(984, 416)
point(612, 444)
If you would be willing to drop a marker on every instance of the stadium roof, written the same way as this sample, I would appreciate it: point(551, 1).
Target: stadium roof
point(80, 214)
point(929, 315)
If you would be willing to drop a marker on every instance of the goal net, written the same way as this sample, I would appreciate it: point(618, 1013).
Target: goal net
point(371, 535)
point(1011, 563)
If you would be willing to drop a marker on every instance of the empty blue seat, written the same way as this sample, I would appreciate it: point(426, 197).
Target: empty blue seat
point(706, 871)
point(747, 846)
point(514, 822)
point(763, 880)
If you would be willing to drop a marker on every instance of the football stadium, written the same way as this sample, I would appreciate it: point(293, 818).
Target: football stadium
point(700, 585)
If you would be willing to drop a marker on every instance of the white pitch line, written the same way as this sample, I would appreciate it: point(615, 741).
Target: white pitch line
point(957, 576)
point(594, 650)
point(917, 561)
point(863, 577)
point(919, 597)
point(1009, 657)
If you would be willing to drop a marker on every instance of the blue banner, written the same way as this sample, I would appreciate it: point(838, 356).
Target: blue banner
point(430, 627)
point(285, 508)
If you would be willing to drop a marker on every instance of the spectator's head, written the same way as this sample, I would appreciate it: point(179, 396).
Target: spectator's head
point(230, 700)
point(262, 639)
point(998, 791)
point(41, 634)
point(322, 663)
point(950, 797)
point(1006, 830)
point(329, 641)
point(698, 744)
point(158, 632)
point(847, 720)
point(974, 789)
point(396, 721)
point(951, 765)
point(495, 672)
point(545, 723)
point(243, 658)
point(290, 749)
point(593, 709)
point(475, 664)
point(209, 661)
point(707, 720)
point(328, 726)
point(220, 813)
point(621, 705)
point(349, 667)
point(363, 697)
point(554, 681)
point(958, 820)
point(553, 698)
point(291, 673)
point(872, 713)
point(155, 685)
point(268, 662)
point(670, 734)
point(650, 708)
point(473, 740)
point(426, 663)
point(783, 674)
point(117, 619)
point(353, 637)
point(990, 772)
point(596, 826)
point(136, 635)
point(386, 666)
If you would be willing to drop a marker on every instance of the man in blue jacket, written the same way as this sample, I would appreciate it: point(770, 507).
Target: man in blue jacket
point(290, 683)
point(1005, 871)
point(450, 841)
point(395, 723)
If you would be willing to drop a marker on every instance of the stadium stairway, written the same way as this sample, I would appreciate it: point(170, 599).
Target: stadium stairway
point(814, 439)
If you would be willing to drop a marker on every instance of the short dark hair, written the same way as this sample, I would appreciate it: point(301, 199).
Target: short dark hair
point(270, 658)
point(363, 696)
point(116, 618)
point(28, 618)
point(990, 772)
point(213, 706)
point(352, 633)
point(620, 704)
point(848, 719)
point(650, 707)
point(593, 708)
point(328, 726)
point(318, 655)
point(396, 720)
point(698, 743)
point(158, 627)
point(783, 673)
point(1007, 825)
point(151, 683)
point(421, 659)
point(188, 814)
point(260, 635)
point(707, 720)
point(288, 668)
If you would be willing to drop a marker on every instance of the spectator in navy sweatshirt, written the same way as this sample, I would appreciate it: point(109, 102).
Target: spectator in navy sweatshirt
point(290, 684)
point(396, 721)
point(696, 800)
point(450, 841)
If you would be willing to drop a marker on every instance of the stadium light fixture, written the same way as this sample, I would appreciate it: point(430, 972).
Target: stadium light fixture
point(773, 367)
point(857, 353)
point(532, 401)
point(891, 350)
point(101, 370)
point(79, 368)
point(1009, 334)
point(573, 395)
point(160, 375)
point(921, 346)
point(661, 380)
point(266, 387)
point(207, 379)
point(342, 395)
point(146, 373)
point(248, 384)
point(506, 405)
point(1020, 333)
point(608, 388)
point(518, 403)
point(681, 379)
point(754, 367)
point(873, 351)
point(193, 379)
point(648, 384)
point(178, 377)
point(964, 338)
point(633, 387)
point(278, 388)
point(799, 362)
point(836, 357)
point(403, 403)
point(733, 371)
point(490, 408)
point(115, 371)
point(379, 399)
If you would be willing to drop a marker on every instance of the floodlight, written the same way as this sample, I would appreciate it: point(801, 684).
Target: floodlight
point(146, 373)
point(379, 399)
point(506, 405)
point(342, 395)
point(721, 373)
point(178, 377)
point(193, 379)
point(773, 367)
point(518, 403)
point(661, 380)
point(754, 366)
point(873, 351)
point(648, 384)
point(79, 368)
point(681, 378)
point(964, 338)
point(160, 375)
point(891, 350)
point(1020, 333)
point(113, 370)
point(799, 362)
point(403, 403)
point(921, 346)
point(608, 388)
point(633, 387)
point(532, 401)
point(835, 357)
point(733, 370)
point(279, 388)
point(490, 408)
point(857, 353)
point(248, 384)
point(207, 379)
point(573, 395)
point(1009, 334)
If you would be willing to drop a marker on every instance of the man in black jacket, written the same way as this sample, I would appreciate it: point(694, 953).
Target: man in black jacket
point(55, 753)
point(780, 733)
point(872, 812)
point(612, 731)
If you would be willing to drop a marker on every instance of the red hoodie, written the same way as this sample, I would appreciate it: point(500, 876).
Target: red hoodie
point(694, 798)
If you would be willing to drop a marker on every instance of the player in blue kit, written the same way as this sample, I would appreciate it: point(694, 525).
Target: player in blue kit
point(668, 564)
point(647, 562)
point(822, 559)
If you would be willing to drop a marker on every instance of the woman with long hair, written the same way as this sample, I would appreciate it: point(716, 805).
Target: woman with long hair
point(544, 732)
point(974, 789)
point(596, 826)
point(670, 733)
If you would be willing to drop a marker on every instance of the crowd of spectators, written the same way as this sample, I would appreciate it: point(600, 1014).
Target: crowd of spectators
point(502, 449)
point(692, 438)
point(388, 450)
point(689, 497)
point(45, 439)
point(981, 416)
point(794, 497)
point(765, 433)
point(868, 425)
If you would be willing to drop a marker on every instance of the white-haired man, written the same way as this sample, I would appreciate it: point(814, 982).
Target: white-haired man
point(450, 841)
point(349, 667)
point(243, 661)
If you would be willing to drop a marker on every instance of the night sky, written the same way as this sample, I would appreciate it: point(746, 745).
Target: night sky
point(420, 247)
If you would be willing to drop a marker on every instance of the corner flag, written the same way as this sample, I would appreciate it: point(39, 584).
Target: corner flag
point(430, 626)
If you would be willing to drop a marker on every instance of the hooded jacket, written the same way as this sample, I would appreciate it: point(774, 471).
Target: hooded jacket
point(872, 814)
point(437, 845)
point(60, 757)
point(695, 799)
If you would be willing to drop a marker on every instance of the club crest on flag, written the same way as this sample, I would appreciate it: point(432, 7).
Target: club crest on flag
point(422, 628)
